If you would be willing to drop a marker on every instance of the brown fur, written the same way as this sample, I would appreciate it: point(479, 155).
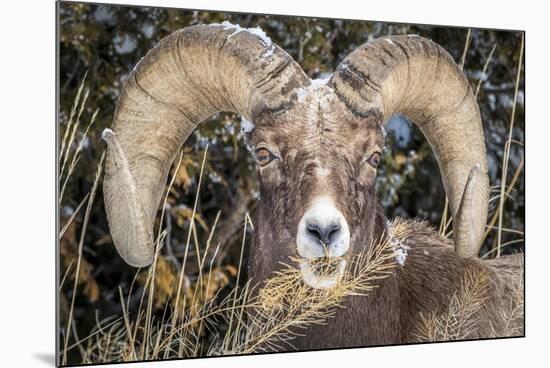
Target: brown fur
point(430, 276)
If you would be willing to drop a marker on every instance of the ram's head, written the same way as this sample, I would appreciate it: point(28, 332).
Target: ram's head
point(317, 144)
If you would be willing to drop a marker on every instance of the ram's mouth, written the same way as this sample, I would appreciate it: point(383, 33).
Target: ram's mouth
point(323, 272)
point(325, 266)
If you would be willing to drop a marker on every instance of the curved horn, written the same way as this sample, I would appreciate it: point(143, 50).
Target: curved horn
point(190, 75)
point(418, 78)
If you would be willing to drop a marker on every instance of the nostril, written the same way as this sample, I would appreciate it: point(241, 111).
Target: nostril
point(325, 234)
point(332, 231)
point(315, 230)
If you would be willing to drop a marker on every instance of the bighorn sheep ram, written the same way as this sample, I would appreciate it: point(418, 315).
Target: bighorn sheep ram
point(317, 147)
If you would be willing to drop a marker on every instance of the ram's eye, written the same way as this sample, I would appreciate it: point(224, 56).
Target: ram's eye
point(263, 156)
point(374, 159)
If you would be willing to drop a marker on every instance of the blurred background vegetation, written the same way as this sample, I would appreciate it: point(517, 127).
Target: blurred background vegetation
point(100, 44)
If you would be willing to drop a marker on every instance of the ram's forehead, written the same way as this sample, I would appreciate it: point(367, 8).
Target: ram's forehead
point(319, 115)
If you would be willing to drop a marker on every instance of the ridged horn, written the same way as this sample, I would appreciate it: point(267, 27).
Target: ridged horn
point(190, 75)
point(416, 77)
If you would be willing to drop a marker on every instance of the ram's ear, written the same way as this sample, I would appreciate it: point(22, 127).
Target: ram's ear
point(261, 111)
point(259, 108)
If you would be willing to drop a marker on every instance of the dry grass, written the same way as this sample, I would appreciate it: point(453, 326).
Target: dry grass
point(460, 320)
point(70, 139)
point(507, 147)
point(70, 154)
point(267, 319)
point(285, 305)
point(79, 259)
point(257, 318)
point(511, 311)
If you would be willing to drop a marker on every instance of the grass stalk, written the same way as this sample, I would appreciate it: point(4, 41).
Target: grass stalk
point(76, 155)
point(80, 248)
point(72, 135)
point(235, 292)
point(484, 70)
point(127, 324)
point(73, 216)
point(507, 146)
point(509, 189)
point(65, 141)
point(191, 225)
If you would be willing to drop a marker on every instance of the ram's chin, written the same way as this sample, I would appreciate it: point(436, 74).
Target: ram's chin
point(323, 280)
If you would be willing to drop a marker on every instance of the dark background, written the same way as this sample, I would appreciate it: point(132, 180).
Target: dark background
point(104, 42)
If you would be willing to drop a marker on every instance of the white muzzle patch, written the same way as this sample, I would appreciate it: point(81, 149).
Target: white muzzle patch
point(322, 232)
